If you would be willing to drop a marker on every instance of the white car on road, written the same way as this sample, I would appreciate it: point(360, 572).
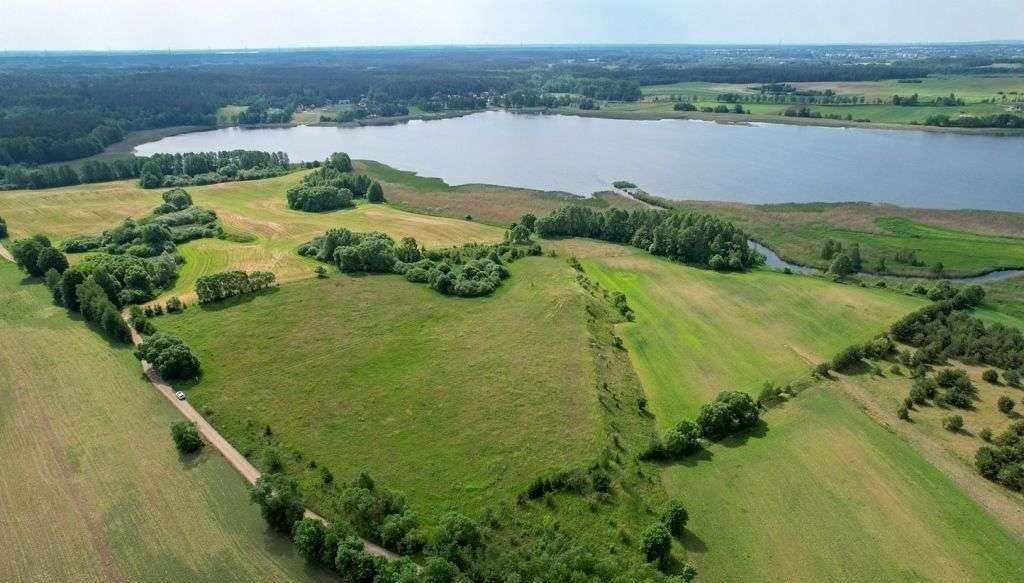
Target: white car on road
point(179, 395)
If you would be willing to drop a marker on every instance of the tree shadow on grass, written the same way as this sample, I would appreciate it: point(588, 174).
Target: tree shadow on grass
point(756, 432)
point(692, 542)
point(237, 300)
point(191, 461)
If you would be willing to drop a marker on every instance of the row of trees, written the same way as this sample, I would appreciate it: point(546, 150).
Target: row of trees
point(687, 237)
point(198, 168)
point(219, 286)
point(96, 287)
point(999, 120)
point(17, 176)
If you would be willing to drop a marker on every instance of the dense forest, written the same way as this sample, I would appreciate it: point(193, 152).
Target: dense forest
point(60, 107)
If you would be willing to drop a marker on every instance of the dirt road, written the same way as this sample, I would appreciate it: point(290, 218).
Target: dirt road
point(5, 253)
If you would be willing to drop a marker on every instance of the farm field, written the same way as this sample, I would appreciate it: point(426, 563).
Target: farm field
point(973, 89)
point(456, 402)
point(699, 332)
point(852, 501)
point(92, 487)
point(965, 242)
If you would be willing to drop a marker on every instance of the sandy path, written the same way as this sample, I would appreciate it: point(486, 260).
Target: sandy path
point(215, 439)
point(5, 253)
point(997, 502)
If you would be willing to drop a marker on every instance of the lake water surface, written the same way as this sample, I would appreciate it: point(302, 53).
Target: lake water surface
point(757, 163)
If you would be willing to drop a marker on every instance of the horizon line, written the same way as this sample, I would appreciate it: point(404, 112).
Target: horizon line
point(244, 49)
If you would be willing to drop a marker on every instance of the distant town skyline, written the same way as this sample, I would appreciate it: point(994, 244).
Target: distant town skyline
point(189, 24)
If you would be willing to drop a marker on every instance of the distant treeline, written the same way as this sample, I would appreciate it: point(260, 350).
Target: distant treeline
point(159, 170)
point(53, 110)
point(687, 237)
point(1000, 120)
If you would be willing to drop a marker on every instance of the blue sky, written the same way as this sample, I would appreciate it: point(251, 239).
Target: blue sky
point(159, 24)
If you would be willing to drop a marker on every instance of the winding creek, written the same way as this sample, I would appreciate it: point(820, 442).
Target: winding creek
point(773, 261)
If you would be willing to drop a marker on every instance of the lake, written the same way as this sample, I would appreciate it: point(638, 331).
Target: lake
point(681, 159)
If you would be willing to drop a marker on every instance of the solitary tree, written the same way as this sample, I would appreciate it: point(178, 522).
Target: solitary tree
point(674, 516)
point(841, 265)
point(375, 193)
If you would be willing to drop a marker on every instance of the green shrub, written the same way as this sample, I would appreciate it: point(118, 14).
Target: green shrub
point(656, 544)
point(953, 423)
point(729, 413)
point(186, 436)
point(674, 516)
point(1005, 404)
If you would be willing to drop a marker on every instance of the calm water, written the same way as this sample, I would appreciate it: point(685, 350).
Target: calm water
point(755, 163)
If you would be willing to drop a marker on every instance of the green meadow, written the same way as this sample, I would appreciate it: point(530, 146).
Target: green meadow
point(92, 488)
point(455, 402)
point(699, 332)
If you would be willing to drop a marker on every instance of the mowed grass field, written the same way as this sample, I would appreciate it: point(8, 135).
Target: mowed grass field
point(456, 402)
point(92, 488)
point(253, 208)
point(829, 495)
point(700, 332)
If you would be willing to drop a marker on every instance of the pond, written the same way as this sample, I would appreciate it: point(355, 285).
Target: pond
point(681, 159)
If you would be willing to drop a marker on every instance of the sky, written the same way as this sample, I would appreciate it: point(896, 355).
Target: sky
point(191, 24)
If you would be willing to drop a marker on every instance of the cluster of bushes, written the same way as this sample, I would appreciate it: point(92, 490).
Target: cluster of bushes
point(1003, 461)
point(687, 237)
point(467, 271)
point(941, 331)
point(656, 539)
point(333, 185)
point(381, 514)
point(198, 168)
point(950, 387)
point(169, 355)
point(730, 413)
point(218, 286)
point(455, 543)
point(18, 177)
point(175, 221)
point(36, 256)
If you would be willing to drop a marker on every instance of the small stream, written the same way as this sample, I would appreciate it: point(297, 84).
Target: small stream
point(773, 261)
